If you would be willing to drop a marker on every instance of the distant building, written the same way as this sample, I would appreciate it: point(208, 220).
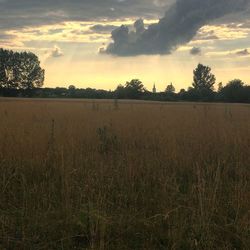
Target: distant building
point(154, 89)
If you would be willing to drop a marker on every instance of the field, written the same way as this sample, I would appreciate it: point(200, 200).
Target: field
point(124, 175)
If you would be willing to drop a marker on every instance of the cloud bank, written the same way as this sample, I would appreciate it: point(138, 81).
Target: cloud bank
point(179, 25)
point(26, 13)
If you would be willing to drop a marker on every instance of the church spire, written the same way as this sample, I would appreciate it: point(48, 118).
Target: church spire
point(154, 89)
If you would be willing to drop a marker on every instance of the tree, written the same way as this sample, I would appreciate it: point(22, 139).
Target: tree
point(170, 88)
point(233, 91)
point(135, 85)
point(203, 78)
point(220, 86)
point(20, 70)
point(134, 89)
point(120, 92)
point(203, 82)
point(72, 88)
point(7, 69)
point(236, 83)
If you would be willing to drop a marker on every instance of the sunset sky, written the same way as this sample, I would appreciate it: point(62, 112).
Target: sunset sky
point(72, 39)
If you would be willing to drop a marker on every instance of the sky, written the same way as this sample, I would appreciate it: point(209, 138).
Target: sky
point(103, 43)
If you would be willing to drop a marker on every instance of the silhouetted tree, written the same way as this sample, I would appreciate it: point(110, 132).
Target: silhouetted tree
point(135, 85)
point(233, 91)
point(134, 89)
point(72, 90)
point(72, 87)
point(203, 78)
point(193, 95)
point(220, 86)
point(203, 82)
point(7, 68)
point(120, 92)
point(182, 92)
point(30, 74)
point(170, 88)
point(20, 70)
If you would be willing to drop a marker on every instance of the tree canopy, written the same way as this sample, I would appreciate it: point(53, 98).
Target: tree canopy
point(234, 91)
point(20, 70)
point(203, 78)
point(203, 83)
point(133, 89)
point(170, 88)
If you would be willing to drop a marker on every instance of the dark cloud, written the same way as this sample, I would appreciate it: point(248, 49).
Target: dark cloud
point(16, 14)
point(195, 51)
point(243, 52)
point(179, 25)
point(20, 14)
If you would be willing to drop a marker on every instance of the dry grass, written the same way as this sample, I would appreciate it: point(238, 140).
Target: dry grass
point(123, 175)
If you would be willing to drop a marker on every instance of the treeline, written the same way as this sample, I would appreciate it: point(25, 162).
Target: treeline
point(235, 92)
point(22, 76)
point(57, 93)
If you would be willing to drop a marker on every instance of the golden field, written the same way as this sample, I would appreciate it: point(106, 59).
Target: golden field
point(124, 175)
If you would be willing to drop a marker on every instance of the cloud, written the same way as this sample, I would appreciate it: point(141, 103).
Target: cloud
point(55, 31)
point(229, 53)
point(205, 35)
point(55, 52)
point(179, 25)
point(195, 51)
point(35, 13)
point(6, 36)
point(99, 28)
point(243, 52)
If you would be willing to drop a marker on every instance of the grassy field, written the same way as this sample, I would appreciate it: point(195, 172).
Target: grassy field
point(124, 175)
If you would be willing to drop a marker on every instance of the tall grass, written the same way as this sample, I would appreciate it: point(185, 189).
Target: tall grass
point(98, 175)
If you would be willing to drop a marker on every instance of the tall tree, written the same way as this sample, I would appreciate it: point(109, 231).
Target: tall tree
point(203, 78)
point(7, 79)
point(203, 84)
point(20, 70)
